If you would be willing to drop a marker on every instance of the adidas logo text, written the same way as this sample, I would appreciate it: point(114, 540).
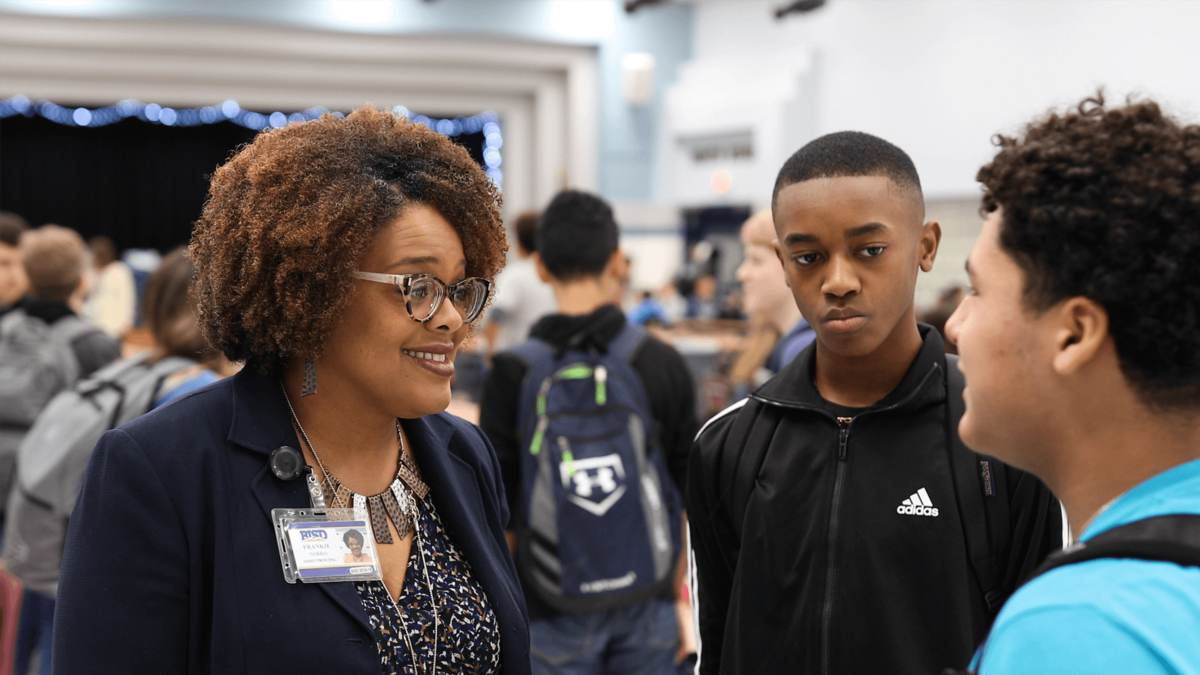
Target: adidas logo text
point(918, 504)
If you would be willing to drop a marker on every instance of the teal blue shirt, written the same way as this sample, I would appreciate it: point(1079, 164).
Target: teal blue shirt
point(1110, 615)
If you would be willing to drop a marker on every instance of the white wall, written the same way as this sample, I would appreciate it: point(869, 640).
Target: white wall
point(940, 77)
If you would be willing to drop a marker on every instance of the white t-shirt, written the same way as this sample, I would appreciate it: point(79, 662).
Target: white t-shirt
point(521, 299)
point(112, 302)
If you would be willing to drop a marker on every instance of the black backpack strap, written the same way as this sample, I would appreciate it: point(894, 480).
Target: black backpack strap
point(1174, 538)
point(981, 495)
point(627, 343)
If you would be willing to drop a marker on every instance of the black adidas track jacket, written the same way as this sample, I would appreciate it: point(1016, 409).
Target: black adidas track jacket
point(815, 547)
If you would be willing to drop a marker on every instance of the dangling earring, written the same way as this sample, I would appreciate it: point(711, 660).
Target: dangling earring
point(310, 378)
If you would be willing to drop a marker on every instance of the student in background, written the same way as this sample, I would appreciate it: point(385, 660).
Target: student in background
point(170, 313)
point(648, 311)
point(825, 520)
point(702, 303)
point(1081, 345)
point(112, 301)
point(578, 254)
point(13, 282)
point(44, 345)
point(36, 528)
point(55, 263)
point(769, 305)
point(520, 297)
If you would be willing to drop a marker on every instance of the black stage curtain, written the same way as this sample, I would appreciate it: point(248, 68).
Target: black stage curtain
point(142, 184)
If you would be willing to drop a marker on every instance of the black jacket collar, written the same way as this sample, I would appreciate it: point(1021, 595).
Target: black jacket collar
point(46, 310)
point(595, 330)
point(924, 383)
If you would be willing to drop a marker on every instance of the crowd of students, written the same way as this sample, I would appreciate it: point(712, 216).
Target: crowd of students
point(62, 383)
point(870, 501)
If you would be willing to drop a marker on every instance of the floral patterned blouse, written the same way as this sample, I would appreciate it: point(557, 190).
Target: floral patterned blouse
point(468, 638)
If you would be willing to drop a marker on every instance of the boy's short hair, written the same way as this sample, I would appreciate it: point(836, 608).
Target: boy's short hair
point(54, 259)
point(847, 154)
point(577, 235)
point(526, 229)
point(1105, 203)
point(12, 227)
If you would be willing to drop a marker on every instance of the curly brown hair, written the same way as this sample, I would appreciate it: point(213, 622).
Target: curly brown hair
point(289, 216)
point(1104, 203)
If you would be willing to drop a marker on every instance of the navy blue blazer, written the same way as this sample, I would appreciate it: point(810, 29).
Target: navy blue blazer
point(171, 564)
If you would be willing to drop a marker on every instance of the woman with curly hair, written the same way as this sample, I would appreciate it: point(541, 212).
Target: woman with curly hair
point(344, 261)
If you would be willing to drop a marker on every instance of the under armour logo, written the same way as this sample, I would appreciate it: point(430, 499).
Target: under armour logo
point(585, 482)
point(594, 477)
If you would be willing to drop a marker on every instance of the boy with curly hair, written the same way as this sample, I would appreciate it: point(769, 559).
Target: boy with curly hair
point(1080, 343)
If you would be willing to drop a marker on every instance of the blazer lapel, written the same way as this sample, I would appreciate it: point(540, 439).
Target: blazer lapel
point(261, 423)
point(452, 481)
point(455, 487)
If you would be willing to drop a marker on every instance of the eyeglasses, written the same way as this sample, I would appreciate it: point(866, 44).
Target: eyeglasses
point(423, 293)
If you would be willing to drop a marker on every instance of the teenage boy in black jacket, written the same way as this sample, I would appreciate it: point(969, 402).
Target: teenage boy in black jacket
point(831, 526)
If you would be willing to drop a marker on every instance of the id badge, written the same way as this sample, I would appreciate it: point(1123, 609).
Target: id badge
point(325, 545)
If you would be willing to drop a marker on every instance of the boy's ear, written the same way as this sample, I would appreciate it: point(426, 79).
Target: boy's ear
point(540, 266)
point(617, 266)
point(931, 237)
point(1080, 335)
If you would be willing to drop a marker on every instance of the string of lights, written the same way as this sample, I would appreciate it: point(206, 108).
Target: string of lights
point(229, 111)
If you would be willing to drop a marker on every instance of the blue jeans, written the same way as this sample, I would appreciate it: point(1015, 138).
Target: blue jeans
point(35, 630)
point(638, 640)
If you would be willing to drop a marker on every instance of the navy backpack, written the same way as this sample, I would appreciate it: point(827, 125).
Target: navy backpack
point(600, 520)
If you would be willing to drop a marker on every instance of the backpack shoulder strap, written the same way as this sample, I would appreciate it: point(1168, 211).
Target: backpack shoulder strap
point(627, 343)
point(982, 505)
point(1174, 538)
point(10, 320)
point(532, 351)
point(171, 364)
point(538, 356)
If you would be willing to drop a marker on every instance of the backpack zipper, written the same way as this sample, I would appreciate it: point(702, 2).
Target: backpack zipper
point(574, 371)
point(568, 458)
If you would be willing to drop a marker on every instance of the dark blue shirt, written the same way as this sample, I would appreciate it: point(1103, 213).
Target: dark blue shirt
point(789, 346)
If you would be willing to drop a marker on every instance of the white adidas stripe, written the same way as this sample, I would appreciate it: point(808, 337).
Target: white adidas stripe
point(924, 497)
point(719, 415)
point(693, 586)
